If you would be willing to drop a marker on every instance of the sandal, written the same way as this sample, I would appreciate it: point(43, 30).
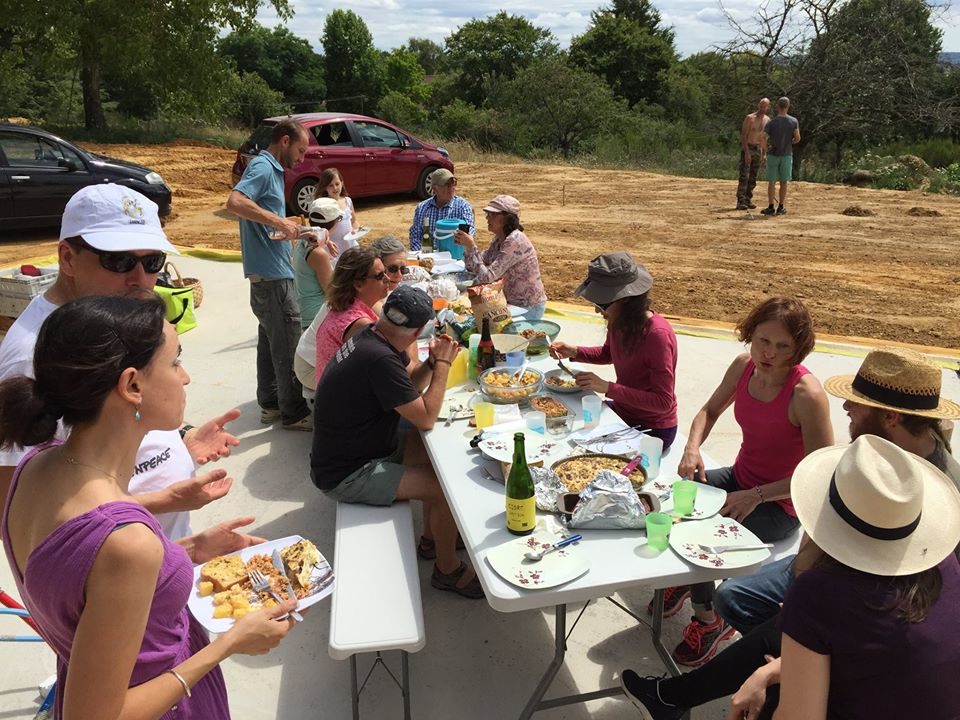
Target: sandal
point(427, 549)
point(448, 581)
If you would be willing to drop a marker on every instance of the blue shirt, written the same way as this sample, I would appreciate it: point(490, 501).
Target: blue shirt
point(457, 208)
point(262, 182)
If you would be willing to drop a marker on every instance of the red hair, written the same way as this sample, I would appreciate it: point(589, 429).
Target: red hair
point(794, 316)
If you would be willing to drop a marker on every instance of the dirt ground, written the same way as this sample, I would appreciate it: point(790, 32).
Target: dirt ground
point(888, 269)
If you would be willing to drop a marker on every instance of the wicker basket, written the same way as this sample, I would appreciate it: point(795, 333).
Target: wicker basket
point(178, 281)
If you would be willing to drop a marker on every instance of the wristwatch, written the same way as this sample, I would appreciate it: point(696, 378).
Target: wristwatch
point(184, 430)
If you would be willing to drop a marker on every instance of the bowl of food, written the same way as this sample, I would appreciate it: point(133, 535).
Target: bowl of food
point(578, 471)
point(462, 280)
point(559, 418)
point(558, 381)
point(540, 333)
point(499, 384)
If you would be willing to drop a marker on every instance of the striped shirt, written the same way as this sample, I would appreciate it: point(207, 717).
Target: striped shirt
point(457, 208)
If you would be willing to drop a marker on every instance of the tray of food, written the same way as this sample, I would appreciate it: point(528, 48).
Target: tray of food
point(540, 333)
point(222, 592)
point(558, 381)
point(578, 471)
point(498, 384)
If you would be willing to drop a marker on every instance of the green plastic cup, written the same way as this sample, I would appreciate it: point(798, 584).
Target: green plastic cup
point(684, 494)
point(658, 530)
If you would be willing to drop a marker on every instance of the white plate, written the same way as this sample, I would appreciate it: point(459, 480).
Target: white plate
point(592, 440)
point(202, 607)
point(461, 402)
point(686, 538)
point(351, 236)
point(554, 569)
point(500, 447)
point(707, 504)
point(556, 388)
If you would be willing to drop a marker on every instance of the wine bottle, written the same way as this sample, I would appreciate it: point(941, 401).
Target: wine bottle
point(486, 353)
point(521, 505)
point(426, 242)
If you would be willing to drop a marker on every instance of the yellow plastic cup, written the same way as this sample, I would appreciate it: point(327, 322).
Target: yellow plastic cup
point(458, 369)
point(483, 413)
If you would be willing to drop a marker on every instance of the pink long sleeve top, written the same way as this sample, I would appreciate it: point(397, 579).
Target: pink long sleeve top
point(643, 393)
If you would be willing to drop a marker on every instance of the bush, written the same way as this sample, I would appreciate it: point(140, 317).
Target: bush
point(248, 99)
point(482, 126)
point(399, 109)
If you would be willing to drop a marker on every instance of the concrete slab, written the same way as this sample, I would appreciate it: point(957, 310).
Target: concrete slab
point(477, 663)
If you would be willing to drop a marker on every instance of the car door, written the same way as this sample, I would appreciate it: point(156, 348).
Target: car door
point(6, 195)
point(333, 146)
point(43, 174)
point(391, 166)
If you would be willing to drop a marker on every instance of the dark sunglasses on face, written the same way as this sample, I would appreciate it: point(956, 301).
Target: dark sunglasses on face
point(379, 276)
point(124, 262)
point(394, 269)
point(602, 308)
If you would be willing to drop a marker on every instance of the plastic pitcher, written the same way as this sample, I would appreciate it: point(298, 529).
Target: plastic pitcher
point(443, 234)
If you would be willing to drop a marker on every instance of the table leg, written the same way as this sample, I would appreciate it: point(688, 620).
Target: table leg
point(354, 692)
point(406, 684)
point(560, 649)
point(656, 630)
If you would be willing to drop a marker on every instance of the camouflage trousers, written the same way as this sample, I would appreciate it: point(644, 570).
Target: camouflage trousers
point(749, 167)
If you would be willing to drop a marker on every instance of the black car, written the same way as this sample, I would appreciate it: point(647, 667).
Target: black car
point(39, 172)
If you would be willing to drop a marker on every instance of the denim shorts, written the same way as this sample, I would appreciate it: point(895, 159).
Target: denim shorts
point(375, 483)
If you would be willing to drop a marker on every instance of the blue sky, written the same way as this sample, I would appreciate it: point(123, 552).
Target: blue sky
point(699, 24)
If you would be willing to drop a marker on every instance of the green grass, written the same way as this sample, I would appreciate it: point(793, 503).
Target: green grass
point(158, 132)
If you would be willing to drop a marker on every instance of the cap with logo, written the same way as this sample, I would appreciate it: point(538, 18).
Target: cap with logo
point(114, 218)
point(408, 307)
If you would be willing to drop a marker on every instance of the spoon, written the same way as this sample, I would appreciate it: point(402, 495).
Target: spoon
point(538, 556)
point(518, 375)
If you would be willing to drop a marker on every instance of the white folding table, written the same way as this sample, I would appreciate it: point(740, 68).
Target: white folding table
point(619, 559)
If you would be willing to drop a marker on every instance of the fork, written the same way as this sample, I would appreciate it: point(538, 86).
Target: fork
point(717, 549)
point(563, 367)
point(260, 583)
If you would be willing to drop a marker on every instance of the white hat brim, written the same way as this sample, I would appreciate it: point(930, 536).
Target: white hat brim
point(936, 536)
point(128, 240)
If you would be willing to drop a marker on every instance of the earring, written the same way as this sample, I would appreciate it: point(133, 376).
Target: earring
point(136, 415)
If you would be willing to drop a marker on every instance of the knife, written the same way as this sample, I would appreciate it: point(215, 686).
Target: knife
point(278, 564)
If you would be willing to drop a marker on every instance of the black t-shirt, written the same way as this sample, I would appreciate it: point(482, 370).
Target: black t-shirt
point(354, 419)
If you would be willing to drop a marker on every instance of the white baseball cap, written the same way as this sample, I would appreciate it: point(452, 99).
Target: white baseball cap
point(324, 210)
point(114, 218)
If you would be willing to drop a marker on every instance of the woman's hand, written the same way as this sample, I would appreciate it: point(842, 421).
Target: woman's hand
point(331, 247)
point(692, 463)
point(260, 631)
point(221, 539)
point(591, 381)
point(740, 503)
point(563, 351)
point(748, 701)
point(464, 239)
point(212, 440)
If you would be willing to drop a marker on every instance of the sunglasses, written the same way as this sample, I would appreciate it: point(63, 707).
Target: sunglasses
point(394, 269)
point(379, 276)
point(602, 308)
point(124, 262)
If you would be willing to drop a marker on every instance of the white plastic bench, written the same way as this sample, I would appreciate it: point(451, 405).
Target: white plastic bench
point(376, 604)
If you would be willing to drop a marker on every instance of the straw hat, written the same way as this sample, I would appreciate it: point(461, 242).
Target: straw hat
point(877, 508)
point(904, 381)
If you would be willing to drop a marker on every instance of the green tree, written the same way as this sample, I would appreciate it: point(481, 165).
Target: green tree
point(285, 61)
point(354, 67)
point(169, 41)
point(429, 54)
point(247, 98)
point(398, 108)
point(491, 51)
point(559, 106)
point(403, 74)
point(626, 46)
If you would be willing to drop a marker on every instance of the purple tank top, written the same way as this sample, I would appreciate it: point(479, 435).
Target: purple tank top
point(772, 446)
point(53, 591)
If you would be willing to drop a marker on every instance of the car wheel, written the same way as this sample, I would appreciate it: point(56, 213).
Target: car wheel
point(423, 184)
point(302, 195)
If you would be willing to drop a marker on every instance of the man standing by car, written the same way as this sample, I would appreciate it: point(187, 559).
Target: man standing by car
point(258, 199)
point(444, 203)
point(752, 152)
point(783, 132)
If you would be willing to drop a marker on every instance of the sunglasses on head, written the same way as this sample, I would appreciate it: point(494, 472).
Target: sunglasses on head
point(124, 262)
point(394, 269)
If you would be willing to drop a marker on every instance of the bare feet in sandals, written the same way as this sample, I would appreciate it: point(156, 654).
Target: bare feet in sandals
point(463, 581)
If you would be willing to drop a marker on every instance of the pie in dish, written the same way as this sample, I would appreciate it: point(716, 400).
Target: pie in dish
point(579, 471)
point(548, 406)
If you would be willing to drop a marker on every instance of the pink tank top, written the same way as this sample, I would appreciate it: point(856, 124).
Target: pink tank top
point(772, 446)
point(331, 330)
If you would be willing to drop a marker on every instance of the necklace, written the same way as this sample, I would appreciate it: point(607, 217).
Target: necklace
point(75, 462)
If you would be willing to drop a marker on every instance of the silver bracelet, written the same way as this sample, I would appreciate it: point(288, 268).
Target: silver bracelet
point(183, 683)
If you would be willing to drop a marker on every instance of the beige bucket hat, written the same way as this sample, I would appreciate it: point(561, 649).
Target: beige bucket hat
point(876, 507)
point(901, 380)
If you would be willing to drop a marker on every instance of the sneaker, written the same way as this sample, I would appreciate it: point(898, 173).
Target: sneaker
point(768, 210)
point(700, 641)
point(751, 206)
point(781, 210)
point(268, 416)
point(305, 424)
point(644, 693)
point(673, 599)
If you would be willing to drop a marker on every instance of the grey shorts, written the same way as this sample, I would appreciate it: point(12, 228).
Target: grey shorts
point(375, 483)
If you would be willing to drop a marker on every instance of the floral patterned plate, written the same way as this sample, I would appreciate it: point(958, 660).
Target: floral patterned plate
point(500, 447)
point(554, 569)
point(708, 503)
point(686, 538)
point(459, 402)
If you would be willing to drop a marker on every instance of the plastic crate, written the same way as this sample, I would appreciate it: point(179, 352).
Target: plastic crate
point(17, 290)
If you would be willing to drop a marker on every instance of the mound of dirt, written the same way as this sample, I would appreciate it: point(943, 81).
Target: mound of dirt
point(918, 211)
point(857, 211)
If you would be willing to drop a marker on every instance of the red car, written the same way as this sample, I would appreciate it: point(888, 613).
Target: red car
point(374, 157)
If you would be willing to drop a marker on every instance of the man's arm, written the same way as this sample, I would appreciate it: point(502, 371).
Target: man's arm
point(242, 206)
point(745, 135)
point(422, 412)
point(796, 135)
